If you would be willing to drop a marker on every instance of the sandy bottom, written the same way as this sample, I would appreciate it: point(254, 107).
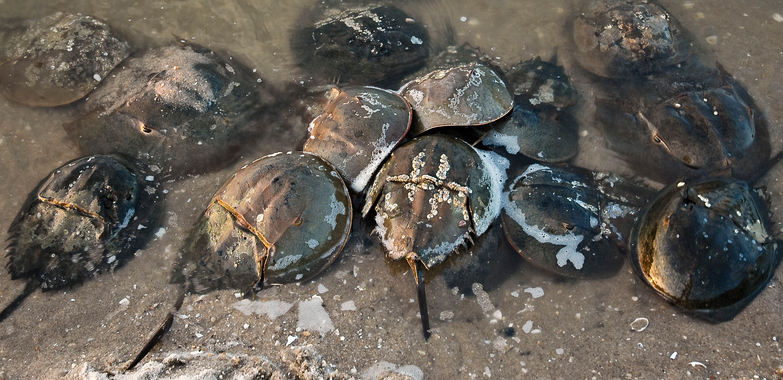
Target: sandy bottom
point(359, 319)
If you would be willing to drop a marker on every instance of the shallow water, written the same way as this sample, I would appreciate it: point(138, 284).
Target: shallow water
point(563, 328)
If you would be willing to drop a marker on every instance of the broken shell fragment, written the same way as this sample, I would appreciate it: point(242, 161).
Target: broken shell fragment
point(640, 324)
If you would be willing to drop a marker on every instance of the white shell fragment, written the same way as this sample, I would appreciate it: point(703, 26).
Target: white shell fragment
point(640, 324)
point(313, 316)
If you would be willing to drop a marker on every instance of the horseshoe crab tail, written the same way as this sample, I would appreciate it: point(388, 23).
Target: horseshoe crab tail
point(29, 288)
point(157, 335)
point(152, 341)
point(261, 267)
point(418, 273)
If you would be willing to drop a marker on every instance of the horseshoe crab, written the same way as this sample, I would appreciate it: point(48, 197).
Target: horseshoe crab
point(83, 219)
point(363, 44)
point(538, 82)
point(281, 219)
point(542, 133)
point(705, 246)
point(430, 197)
point(180, 109)
point(628, 39)
point(704, 242)
point(692, 121)
point(464, 95)
point(357, 131)
point(58, 59)
point(540, 125)
point(553, 218)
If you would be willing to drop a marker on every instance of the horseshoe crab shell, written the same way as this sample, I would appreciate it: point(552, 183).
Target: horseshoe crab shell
point(358, 130)
point(281, 219)
point(553, 217)
point(705, 246)
point(465, 95)
point(361, 44)
point(81, 220)
point(541, 132)
point(58, 59)
point(627, 39)
point(183, 109)
point(430, 197)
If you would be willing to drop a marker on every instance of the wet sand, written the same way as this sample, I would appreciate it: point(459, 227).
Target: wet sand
point(359, 318)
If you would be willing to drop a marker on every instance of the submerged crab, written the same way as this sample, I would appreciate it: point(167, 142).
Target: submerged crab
point(540, 125)
point(704, 243)
point(692, 121)
point(57, 59)
point(365, 44)
point(281, 219)
point(557, 218)
point(83, 219)
point(628, 38)
point(182, 109)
